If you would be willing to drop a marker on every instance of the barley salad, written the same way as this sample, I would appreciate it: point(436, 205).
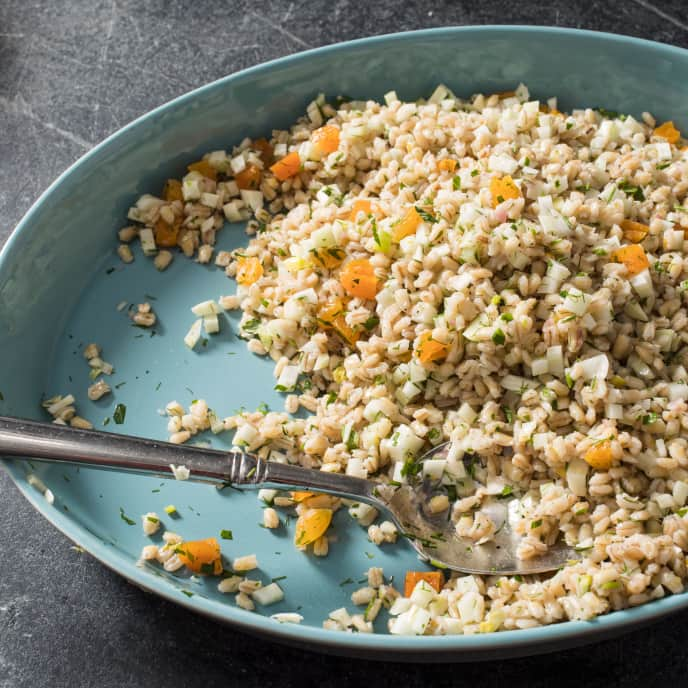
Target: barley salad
point(490, 272)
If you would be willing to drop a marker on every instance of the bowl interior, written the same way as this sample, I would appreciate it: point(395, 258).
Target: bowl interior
point(60, 283)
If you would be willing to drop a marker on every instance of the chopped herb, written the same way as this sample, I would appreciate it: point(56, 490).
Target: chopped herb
point(263, 408)
point(507, 491)
point(518, 578)
point(226, 535)
point(507, 317)
point(434, 434)
point(682, 512)
point(526, 162)
point(120, 414)
point(536, 524)
point(611, 585)
point(120, 384)
point(331, 398)
point(109, 271)
point(508, 414)
point(277, 579)
point(498, 337)
point(371, 322)
point(569, 125)
point(411, 467)
point(611, 195)
point(152, 519)
point(188, 593)
point(251, 325)
point(2, 397)
point(569, 380)
point(125, 518)
point(600, 251)
point(663, 166)
point(369, 555)
point(346, 581)
point(611, 114)
point(157, 489)
point(426, 215)
point(456, 183)
point(475, 173)
point(650, 418)
point(106, 421)
point(630, 190)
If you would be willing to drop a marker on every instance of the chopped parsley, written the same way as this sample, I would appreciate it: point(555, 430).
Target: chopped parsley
point(650, 418)
point(371, 323)
point(498, 337)
point(120, 414)
point(428, 217)
point(456, 183)
point(631, 190)
point(125, 518)
point(507, 491)
point(535, 524)
point(226, 534)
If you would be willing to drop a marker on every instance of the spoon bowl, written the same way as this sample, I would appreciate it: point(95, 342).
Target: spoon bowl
point(433, 535)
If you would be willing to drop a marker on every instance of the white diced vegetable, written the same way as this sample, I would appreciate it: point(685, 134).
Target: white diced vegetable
point(147, 241)
point(206, 308)
point(576, 477)
point(194, 334)
point(270, 594)
point(211, 324)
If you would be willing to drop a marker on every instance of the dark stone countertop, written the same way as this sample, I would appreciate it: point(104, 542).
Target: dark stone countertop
point(72, 72)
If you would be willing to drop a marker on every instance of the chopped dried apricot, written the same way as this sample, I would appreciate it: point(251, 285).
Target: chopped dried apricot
point(446, 165)
point(430, 350)
point(365, 206)
point(287, 167)
point(327, 258)
point(407, 225)
point(503, 189)
point(201, 556)
point(311, 525)
point(332, 316)
point(600, 456)
point(300, 496)
point(165, 234)
point(264, 150)
point(326, 139)
point(433, 578)
point(172, 191)
point(633, 231)
point(633, 257)
point(249, 270)
point(668, 131)
point(249, 177)
point(204, 167)
point(358, 279)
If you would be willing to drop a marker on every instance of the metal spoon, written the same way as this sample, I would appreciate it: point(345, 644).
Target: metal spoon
point(433, 536)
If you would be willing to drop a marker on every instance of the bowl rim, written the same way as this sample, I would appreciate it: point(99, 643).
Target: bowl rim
point(514, 642)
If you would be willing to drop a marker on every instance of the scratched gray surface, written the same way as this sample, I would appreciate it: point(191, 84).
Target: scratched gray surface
point(70, 74)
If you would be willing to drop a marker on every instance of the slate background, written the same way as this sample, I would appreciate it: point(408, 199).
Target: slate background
point(71, 73)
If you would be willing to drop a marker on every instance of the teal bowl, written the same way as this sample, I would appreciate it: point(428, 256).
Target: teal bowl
point(60, 282)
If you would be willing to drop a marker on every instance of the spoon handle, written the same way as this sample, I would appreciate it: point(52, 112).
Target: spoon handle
point(52, 442)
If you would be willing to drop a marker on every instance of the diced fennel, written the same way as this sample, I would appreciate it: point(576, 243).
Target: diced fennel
point(194, 334)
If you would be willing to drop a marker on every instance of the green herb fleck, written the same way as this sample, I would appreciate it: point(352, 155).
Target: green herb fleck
point(120, 414)
point(226, 535)
point(125, 518)
point(498, 337)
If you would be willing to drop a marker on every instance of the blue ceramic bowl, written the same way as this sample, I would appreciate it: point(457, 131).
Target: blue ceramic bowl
point(58, 291)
